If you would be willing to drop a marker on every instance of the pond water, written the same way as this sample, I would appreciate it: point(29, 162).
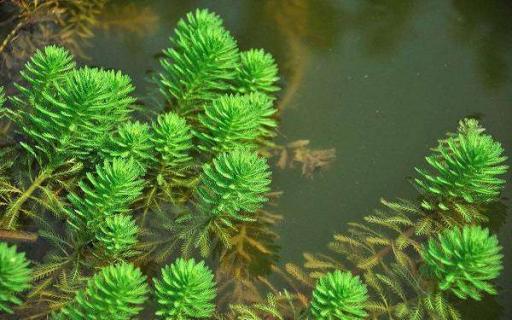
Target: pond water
point(380, 81)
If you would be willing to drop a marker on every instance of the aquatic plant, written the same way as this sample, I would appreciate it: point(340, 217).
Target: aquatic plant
point(200, 63)
point(116, 292)
point(2, 96)
point(132, 140)
point(14, 276)
point(339, 295)
point(173, 141)
point(257, 72)
point(66, 115)
point(233, 184)
point(121, 191)
point(387, 246)
point(110, 191)
point(117, 236)
point(465, 171)
point(464, 261)
point(186, 290)
point(232, 121)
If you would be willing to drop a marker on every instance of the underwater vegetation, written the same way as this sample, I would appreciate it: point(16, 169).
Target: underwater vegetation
point(165, 219)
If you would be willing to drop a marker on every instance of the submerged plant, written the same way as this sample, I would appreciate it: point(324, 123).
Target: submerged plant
point(116, 292)
point(14, 277)
point(465, 170)
point(464, 261)
point(186, 290)
point(339, 295)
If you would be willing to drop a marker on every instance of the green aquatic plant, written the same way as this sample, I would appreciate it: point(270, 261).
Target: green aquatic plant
point(200, 62)
point(116, 292)
point(257, 72)
point(339, 295)
point(232, 121)
point(110, 191)
point(2, 96)
point(172, 139)
point(231, 188)
point(186, 290)
point(74, 119)
point(117, 236)
point(234, 183)
point(15, 276)
point(64, 115)
point(131, 140)
point(465, 171)
point(44, 69)
point(464, 261)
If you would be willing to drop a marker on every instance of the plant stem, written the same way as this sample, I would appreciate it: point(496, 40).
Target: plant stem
point(11, 35)
point(11, 215)
point(20, 236)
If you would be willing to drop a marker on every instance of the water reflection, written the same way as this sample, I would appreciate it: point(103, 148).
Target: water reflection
point(486, 27)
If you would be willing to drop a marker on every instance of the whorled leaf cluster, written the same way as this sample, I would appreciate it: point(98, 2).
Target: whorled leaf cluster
point(15, 277)
point(186, 290)
point(464, 261)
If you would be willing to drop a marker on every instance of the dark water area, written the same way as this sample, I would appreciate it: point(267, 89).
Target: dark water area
point(380, 81)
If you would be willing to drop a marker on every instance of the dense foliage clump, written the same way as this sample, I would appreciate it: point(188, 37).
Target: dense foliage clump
point(14, 276)
point(464, 261)
point(186, 290)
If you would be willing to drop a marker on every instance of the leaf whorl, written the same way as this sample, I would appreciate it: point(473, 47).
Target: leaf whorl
point(15, 276)
point(464, 261)
point(186, 290)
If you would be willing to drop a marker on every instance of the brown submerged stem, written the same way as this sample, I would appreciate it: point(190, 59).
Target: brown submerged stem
point(11, 35)
point(20, 236)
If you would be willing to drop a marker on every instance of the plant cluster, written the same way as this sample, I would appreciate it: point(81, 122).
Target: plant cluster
point(95, 180)
point(115, 196)
point(415, 257)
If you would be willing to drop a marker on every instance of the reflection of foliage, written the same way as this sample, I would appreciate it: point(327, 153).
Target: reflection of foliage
point(485, 27)
point(251, 256)
point(464, 261)
point(39, 23)
point(186, 290)
point(387, 25)
point(130, 17)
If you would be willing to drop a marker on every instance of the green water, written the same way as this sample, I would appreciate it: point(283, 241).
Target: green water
point(379, 81)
